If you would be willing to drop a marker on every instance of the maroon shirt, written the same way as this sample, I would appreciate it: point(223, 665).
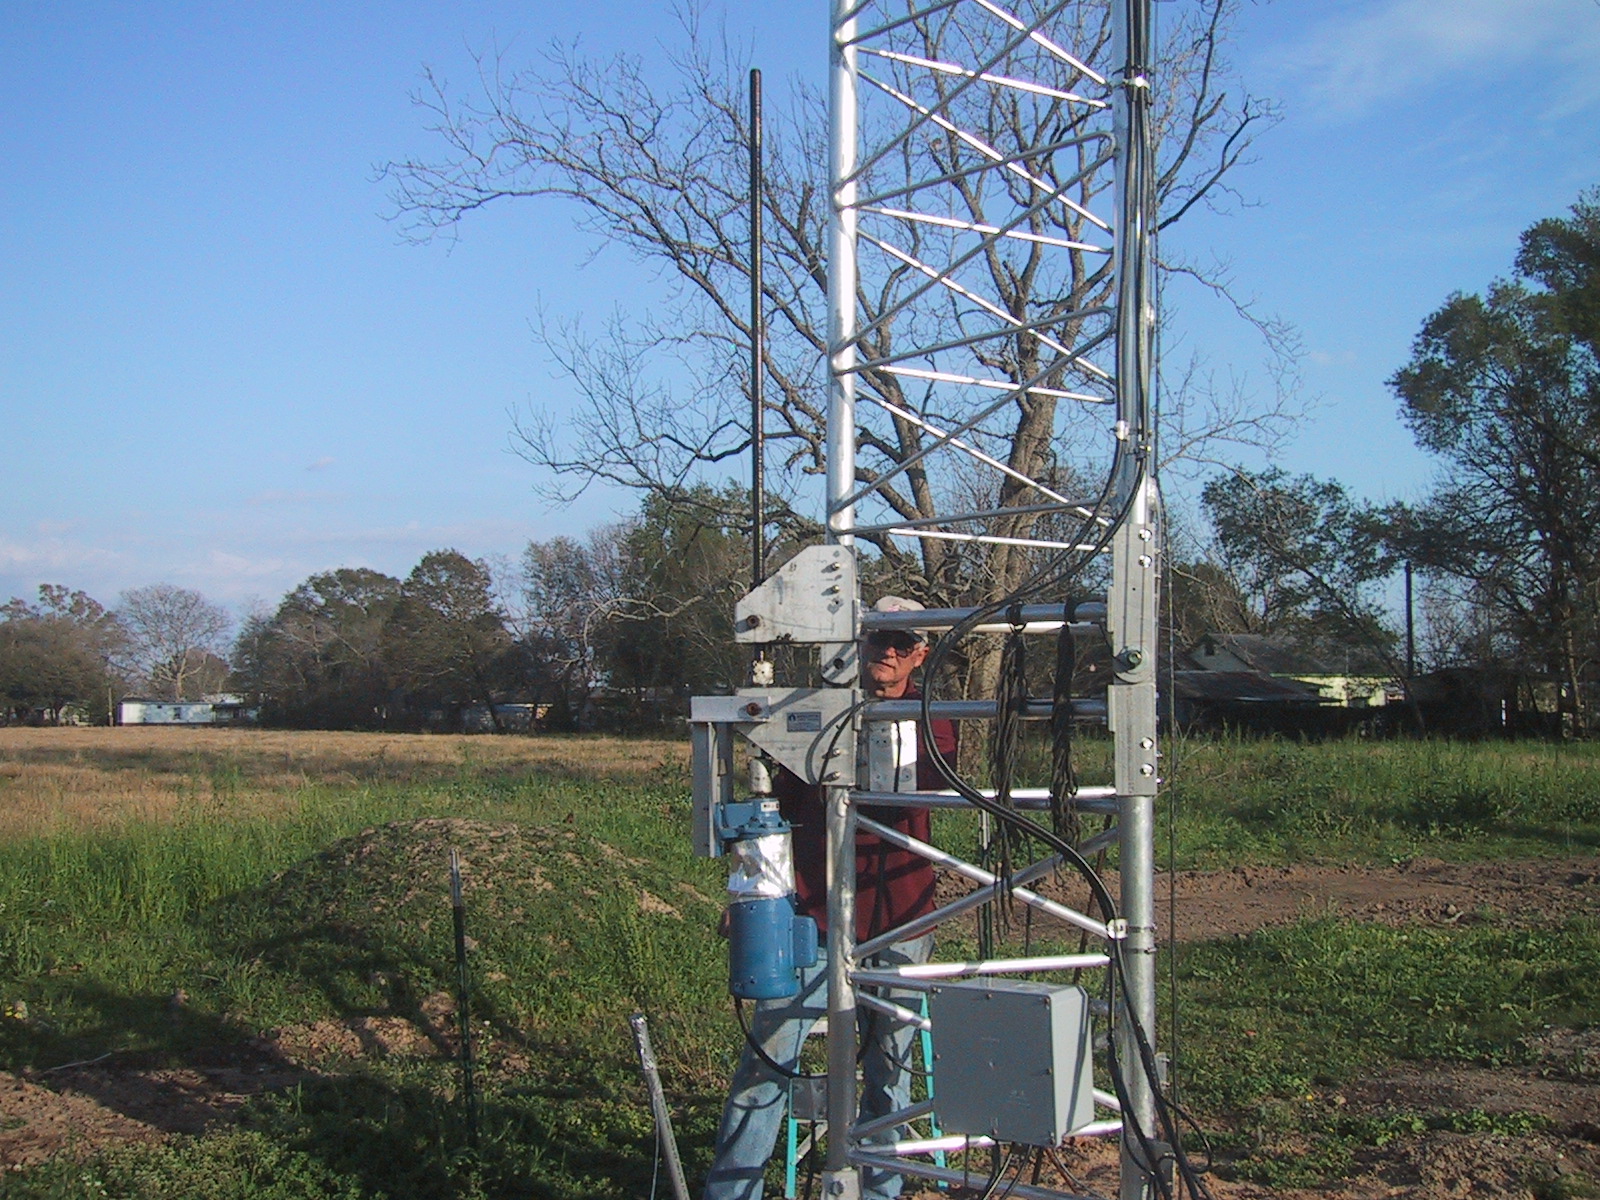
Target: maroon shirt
point(893, 886)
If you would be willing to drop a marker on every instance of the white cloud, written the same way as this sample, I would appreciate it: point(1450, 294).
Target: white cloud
point(280, 496)
point(1531, 52)
point(322, 464)
point(1332, 358)
point(233, 567)
point(51, 553)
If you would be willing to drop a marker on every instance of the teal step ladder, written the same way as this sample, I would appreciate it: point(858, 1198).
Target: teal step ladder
point(808, 1105)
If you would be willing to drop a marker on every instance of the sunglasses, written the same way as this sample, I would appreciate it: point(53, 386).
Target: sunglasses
point(893, 639)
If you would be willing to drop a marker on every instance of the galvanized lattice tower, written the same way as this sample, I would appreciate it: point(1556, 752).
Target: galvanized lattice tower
point(990, 345)
point(985, 177)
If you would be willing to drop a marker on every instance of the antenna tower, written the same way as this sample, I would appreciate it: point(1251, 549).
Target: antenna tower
point(990, 419)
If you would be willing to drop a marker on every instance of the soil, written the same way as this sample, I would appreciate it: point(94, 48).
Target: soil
point(1419, 891)
point(86, 1106)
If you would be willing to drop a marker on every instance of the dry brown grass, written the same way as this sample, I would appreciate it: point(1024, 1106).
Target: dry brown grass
point(54, 779)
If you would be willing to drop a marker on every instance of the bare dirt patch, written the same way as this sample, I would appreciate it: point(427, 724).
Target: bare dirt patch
point(1433, 1166)
point(1235, 902)
point(1213, 904)
point(86, 1107)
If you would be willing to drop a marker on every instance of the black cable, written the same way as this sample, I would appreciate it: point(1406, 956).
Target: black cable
point(980, 615)
point(1011, 698)
point(1063, 778)
point(772, 1064)
point(1017, 1178)
point(996, 1172)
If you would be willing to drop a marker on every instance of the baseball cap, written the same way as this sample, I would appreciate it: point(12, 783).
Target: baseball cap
point(896, 604)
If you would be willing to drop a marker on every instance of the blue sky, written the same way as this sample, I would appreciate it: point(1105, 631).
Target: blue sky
point(220, 368)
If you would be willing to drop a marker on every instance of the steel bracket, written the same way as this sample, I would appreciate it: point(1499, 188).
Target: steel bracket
point(810, 599)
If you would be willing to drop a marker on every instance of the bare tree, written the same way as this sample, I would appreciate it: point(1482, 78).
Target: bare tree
point(174, 635)
point(661, 173)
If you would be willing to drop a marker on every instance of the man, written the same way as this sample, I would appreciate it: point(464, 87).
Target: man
point(893, 886)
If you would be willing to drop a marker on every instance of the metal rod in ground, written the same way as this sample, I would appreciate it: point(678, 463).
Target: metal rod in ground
point(658, 1105)
point(458, 909)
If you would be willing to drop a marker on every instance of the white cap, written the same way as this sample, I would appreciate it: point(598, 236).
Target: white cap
point(895, 604)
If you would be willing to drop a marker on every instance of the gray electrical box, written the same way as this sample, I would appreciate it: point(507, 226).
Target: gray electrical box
point(1012, 1060)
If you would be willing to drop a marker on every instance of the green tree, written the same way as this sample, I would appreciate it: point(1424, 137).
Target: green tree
point(317, 662)
point(1504, 388)
point(58, 652)
point(672, 632)
point(1301, 558)
point(446, 640)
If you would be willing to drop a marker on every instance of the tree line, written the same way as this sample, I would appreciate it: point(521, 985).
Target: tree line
point(620, 626)
point(608, 630)
point(605, 631)
point(67, 651)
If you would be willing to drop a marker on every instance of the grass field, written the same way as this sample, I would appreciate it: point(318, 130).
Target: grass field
point(164, 893)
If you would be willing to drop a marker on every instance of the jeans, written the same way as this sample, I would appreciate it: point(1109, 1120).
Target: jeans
point(757, 1096)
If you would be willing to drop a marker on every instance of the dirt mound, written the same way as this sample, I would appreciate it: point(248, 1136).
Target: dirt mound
point(364, 932)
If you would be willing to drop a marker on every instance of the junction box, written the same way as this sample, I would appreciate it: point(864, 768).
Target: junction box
point(1015, 1060)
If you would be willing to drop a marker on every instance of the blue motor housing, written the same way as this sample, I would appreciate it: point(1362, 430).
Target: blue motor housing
point(767, 943)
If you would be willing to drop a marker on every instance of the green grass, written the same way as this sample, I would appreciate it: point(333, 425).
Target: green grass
point(334, 913)
point(1277, 1022)
point(339, 909)
point(1315, 1003)
point(1354, 801)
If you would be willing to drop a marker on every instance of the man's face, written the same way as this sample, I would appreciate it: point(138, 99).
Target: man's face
point(890, 657)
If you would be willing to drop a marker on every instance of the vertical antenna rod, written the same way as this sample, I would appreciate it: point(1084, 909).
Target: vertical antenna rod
point(758, 349)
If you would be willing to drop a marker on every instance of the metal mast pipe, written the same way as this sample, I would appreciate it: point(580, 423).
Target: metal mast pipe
point(841, 1181)
point(758, 349)
point(1131, 611)
point(842, 272)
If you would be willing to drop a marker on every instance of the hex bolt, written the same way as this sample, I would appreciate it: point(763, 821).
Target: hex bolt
point(752, 621)
point(752, 709)
point(1132, 657)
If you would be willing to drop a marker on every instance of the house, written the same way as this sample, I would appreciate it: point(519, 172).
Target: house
point(1487, 701)
point(1359, 681)
point(218, 709)
point(1201, 699)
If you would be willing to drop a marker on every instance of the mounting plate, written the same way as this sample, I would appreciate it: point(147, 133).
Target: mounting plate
point(810, 599)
